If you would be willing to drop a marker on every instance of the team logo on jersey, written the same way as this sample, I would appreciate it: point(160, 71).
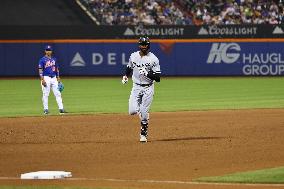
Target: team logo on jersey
point(141, 65)
point(77, 61)
point(49, 63)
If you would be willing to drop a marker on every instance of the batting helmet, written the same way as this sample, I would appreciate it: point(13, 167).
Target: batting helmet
point(144, 41)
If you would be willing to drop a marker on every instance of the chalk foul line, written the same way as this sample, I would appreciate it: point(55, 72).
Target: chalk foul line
point(157, 181)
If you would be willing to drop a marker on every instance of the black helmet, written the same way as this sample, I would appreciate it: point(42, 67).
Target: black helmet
point(144, 40)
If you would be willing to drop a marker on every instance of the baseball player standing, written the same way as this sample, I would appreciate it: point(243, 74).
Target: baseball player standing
point(49, 75)
point(145, 70)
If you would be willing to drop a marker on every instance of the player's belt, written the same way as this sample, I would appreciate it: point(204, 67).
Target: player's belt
point(144, 85)
point(52, 76)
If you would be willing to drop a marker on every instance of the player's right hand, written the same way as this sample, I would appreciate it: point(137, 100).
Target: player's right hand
point(43, 83)
point(124, 79)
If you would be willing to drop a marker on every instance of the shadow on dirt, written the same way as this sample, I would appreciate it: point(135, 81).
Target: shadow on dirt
point(186, 139)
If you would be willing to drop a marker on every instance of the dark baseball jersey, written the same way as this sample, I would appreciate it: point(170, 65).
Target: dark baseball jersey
point(49, 66)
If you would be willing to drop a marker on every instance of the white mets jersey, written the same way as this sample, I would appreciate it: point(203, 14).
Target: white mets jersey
point(149, 62)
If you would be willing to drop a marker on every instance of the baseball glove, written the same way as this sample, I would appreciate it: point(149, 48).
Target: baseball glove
point(60, 86)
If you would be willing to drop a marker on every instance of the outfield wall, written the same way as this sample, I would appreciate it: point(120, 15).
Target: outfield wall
point(177, 57)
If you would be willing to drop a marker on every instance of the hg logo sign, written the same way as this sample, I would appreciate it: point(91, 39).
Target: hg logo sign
point(224, 52)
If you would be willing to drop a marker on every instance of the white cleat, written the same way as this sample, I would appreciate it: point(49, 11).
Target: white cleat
point(143, 138)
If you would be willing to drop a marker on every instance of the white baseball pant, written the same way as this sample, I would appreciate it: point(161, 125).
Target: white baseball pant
point(51, 82)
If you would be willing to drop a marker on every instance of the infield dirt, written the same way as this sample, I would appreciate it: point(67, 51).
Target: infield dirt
point(182, 146)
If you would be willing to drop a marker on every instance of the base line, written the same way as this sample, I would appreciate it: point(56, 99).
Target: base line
point(155, 181)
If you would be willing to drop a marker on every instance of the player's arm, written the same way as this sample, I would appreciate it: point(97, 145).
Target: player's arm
point(57, 74)
point(40, 69)
point(40, 72)
point(154, 76)
point(128, 71)
point(129, 67)
point(155, 72)
point(56, 71)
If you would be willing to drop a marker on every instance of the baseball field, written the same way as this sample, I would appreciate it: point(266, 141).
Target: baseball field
point(210, 132)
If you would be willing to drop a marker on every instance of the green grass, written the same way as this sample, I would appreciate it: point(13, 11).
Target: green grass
point(275, 175)
point(108, 95)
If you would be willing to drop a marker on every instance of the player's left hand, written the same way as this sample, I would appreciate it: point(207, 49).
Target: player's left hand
point(60, 86)
point(143, 71)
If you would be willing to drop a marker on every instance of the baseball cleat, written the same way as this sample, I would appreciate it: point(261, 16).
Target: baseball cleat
point(143, 138)
point(62, 111)
point(45, 112)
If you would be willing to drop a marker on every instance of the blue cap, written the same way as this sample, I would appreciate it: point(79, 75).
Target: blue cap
point(48, 48)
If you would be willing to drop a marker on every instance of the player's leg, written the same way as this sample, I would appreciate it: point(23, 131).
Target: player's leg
point(147, 99)
point(45, 94)
point(134, 101)
point(148, 116)
point(144, 112)
point(57, 94)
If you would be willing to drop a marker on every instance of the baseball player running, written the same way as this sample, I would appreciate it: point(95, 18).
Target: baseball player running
point(49, 75)
point(145, 70)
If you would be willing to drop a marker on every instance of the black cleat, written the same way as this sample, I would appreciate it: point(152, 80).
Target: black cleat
point(62, 111)
point(144, 132)
point(45, 112)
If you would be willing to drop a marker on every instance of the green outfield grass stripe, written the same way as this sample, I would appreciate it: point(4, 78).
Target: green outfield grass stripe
point(108, 95)
point(267, 176)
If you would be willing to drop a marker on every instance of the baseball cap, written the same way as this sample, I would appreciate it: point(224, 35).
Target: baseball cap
point(48, 48)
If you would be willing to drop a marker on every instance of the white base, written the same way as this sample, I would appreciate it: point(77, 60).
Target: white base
point(46, 175)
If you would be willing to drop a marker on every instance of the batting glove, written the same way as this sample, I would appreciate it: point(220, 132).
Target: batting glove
point(143, 71)
point(124, 79)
